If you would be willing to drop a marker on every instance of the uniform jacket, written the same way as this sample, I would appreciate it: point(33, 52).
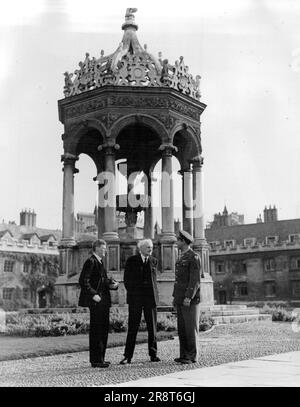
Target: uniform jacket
point(93, 280)
point(133, 275)
point(187, 278)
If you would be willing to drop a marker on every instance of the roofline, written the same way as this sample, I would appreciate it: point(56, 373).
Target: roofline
point(251, 224)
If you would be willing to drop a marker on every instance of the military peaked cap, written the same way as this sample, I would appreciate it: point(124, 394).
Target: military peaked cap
point(186, 236)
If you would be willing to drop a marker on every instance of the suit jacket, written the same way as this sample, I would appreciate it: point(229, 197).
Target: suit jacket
point(187, 278)
point(133, 277)
point(93, 280)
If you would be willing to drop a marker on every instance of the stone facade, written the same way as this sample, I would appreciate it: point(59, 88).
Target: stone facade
point(21, 248)
point(256, 262)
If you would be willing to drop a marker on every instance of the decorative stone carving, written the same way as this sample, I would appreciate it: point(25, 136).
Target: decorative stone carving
point(198, 135)
point(108, 119)
point(137, 101)
point(197, 162)
point(69, 160)
point(109, 148)
point(131, 65)
point(84, 108)
point(168, 149)
point(167, 120)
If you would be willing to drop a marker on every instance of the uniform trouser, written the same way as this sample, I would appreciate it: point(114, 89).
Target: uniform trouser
point(188, 330)
point(99, 325)
point(135, 308)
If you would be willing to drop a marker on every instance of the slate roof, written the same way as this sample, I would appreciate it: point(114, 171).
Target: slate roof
point(280, 228)
point(18, 231)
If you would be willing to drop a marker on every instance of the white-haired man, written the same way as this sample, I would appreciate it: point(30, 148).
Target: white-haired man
point(142, 296)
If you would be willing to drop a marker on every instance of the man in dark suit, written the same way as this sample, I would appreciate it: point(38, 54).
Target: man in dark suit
point(142, 295)
point(95, 294)
point(186, 295)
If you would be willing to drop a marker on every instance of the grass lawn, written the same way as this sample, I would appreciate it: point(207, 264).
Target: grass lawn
point(223, 344)
point(12, 347)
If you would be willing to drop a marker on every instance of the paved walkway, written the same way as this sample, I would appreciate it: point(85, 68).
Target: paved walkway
point(281, 370)
point(254, 354)
point(73, 370)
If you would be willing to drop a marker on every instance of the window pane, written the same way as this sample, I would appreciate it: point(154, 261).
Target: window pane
point(8, 266)
point(7, 293)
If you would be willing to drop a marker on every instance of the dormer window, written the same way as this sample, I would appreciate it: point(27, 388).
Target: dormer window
point(214, 244)
point(294, 238)
point(249, 241)
point(271, 239)
point(229, 243)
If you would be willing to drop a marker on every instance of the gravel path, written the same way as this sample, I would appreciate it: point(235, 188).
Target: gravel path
point(224, 344)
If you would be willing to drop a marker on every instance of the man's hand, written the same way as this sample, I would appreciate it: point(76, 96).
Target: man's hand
point(187, 302)
point(97, 298)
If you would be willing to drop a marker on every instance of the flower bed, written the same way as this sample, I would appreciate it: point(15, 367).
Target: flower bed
point(278, 313)
point(59, 324)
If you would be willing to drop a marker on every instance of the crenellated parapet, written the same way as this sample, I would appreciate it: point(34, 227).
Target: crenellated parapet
point(24, 246)
point(221, 250)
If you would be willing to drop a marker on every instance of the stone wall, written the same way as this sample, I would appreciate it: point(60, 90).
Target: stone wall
point(248, 266)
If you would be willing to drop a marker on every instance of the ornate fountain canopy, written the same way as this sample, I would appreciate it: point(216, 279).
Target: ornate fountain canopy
point(131, 65)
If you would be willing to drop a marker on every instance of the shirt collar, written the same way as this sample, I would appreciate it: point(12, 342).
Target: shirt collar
point(97, 257)
point(144, 257)
point(185, 252)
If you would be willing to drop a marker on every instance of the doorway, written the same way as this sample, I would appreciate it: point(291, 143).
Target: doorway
point(42, 299)
point(222, 297)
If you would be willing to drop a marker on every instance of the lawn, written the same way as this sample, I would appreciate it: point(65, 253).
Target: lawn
point(12, 347)
point(223, 344)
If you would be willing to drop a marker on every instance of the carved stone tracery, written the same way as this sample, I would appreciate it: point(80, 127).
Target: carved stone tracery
point(131, 65)
point(137, 101)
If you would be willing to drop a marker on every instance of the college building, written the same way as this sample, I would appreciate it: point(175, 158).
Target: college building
point(28, 263)
point(255, 262)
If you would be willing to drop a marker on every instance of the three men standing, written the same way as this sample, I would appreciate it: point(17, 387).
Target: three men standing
point(142, 296)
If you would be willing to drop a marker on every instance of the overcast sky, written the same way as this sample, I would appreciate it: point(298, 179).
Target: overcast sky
point(247, 53)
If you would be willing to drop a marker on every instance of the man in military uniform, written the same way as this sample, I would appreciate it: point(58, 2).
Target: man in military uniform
point(186, 295)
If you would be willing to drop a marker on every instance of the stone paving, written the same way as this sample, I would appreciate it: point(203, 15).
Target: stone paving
point(268, 371)
point(222, 345)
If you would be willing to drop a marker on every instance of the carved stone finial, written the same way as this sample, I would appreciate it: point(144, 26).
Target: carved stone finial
point(130, 12)
point(129, 19)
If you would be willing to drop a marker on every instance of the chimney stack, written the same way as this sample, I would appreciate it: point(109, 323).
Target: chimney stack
point(28, 218)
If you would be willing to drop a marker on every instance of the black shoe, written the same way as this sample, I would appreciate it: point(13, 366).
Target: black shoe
point(103, 364)
point(125, 361)
point(185, 361)
point(154, 359)
point(177, 360)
